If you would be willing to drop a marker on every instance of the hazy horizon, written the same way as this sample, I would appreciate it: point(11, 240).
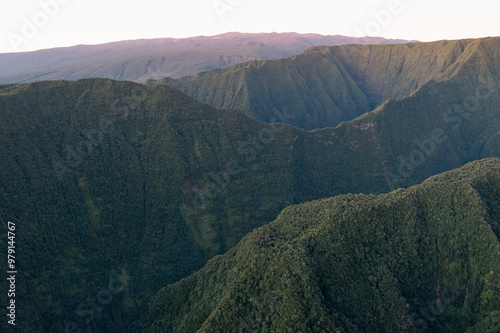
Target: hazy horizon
point(216, 35)
point(42, 24)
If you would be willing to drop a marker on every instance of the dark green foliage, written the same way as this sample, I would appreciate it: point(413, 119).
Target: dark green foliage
point(128, 156)
point(423, 259)
point(94, 173)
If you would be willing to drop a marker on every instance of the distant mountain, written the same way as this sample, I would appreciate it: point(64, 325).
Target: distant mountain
point(140, 60)
point(327, 85)
point(426, 259)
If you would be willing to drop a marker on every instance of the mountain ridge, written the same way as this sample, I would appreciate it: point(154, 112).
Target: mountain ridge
point(121, 178)
point(327, 85)
point(143, 59)
point(356, 263)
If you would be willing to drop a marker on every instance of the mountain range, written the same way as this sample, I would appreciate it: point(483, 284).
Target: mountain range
point(119, 189)
point(327, 85)
point(144, 59)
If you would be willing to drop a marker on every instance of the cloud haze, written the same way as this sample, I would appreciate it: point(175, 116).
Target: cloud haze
point(35, 24)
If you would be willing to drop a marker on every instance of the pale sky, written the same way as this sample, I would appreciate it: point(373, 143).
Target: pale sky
point(37, 24)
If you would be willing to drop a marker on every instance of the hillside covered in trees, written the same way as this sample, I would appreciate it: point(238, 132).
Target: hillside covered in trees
point(119, 189)
point(425, 259)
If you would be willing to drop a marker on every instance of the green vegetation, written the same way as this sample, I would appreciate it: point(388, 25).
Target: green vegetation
point(119, 189)
point(327, 85)
point(423, 259)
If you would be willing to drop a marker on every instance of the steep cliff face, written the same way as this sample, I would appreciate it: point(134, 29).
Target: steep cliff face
point(327, 85)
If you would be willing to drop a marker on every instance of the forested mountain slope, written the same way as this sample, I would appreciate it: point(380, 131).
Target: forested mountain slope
point(425, 259)
point(119, 189)
point(327, 85)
